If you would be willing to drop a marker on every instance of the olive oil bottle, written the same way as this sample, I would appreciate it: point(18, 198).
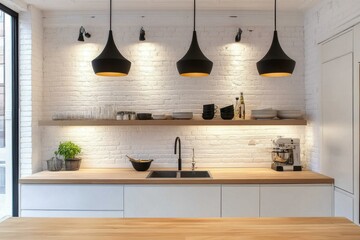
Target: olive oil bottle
point(242, 107)
point(237, 109)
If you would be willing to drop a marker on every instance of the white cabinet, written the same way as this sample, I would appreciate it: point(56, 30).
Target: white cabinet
point(178, 200)
point(337, 121)
point(295, 200)
point(71, 199)
point(172, 200)
point(344, 204)
point(240, 200)
point(340, 119)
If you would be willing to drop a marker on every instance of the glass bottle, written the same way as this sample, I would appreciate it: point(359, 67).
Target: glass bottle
point(237, 109)
point(242, 106)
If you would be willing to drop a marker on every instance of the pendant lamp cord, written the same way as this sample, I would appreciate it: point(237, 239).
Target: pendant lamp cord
point(194, 13)
point(110, 13)
point(275, 16)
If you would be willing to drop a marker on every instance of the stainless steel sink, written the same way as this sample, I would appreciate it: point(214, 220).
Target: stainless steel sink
point(179, 174)
point(194, 174)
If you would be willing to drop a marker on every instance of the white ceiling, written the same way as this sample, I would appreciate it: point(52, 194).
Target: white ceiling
point(96, 5)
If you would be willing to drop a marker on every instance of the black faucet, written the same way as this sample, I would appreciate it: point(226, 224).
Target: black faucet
point(177, 139)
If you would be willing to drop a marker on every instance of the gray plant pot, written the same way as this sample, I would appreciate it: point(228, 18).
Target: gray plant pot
point(72, 164)
point(54, 164)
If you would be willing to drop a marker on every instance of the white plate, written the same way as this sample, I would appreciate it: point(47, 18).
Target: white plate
point(289, 114)
point(159, 117)
point(182, 115)
point(263, 114)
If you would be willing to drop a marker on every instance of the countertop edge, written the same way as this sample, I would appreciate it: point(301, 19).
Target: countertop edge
point(176, 181)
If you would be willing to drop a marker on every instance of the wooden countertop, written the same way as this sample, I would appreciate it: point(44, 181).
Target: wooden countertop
point(219, 176)
point(176, 228)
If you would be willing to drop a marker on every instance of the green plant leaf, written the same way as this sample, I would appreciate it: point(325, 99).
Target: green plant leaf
point(68, 150)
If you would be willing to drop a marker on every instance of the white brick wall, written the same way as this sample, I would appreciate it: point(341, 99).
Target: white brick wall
point(25, 93)
point(324, 20)
point(69, 85)
point(37, 88)
point(31, 77)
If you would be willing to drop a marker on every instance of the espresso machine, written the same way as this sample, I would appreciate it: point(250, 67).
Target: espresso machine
point(286, 154)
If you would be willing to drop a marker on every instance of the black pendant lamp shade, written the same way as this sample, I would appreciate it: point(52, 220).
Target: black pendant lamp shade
point(110, 62)
point(194, 63)
point(276, 63)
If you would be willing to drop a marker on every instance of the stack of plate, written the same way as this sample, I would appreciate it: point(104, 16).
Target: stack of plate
point(159, 116)
point(264, 114)
point(182, 115)
point(289, 114)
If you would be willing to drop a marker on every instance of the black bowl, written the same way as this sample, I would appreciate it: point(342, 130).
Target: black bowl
point(208, 116)
point(208, 112)
point(144, 116)
point(141, 165)
point(227, 111)
point(227, 108)
point(227, 116)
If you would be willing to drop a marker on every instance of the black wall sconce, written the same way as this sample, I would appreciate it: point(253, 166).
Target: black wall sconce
point(142, 34)
point(238, 35)
point(83, 33)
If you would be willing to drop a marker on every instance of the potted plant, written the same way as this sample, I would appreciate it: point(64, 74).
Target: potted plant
point(54, 164)
point(69, 151)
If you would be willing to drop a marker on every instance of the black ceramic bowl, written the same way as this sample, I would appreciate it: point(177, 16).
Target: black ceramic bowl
point(144, 116)
point(227, 109)
point(141, 165)
point(209, 112)
point(227, 112)
point(227, 116)
point(208, 116)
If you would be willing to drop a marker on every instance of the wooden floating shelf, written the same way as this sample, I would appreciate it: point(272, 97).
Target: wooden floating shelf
point(171, 122)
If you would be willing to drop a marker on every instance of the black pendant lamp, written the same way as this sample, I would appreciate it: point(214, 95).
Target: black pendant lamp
point(110, 63)
point(276, 63)
point(194, 63)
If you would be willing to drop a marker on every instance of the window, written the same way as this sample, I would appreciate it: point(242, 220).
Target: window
point(9, 116)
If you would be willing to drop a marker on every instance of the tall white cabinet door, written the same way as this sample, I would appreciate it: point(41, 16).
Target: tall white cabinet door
point(240, 200)
point(337, 121)
point(172, 200)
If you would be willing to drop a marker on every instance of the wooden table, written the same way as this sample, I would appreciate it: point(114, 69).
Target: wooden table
point(170, 229)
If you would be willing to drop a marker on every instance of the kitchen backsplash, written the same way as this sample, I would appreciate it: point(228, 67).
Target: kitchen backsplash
point(215, 146)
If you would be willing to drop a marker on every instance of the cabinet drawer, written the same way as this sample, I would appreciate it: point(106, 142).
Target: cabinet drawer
point(293, 200)
point(172, 200)
point(240, 200)
point(72, 214)
point(72, 197)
